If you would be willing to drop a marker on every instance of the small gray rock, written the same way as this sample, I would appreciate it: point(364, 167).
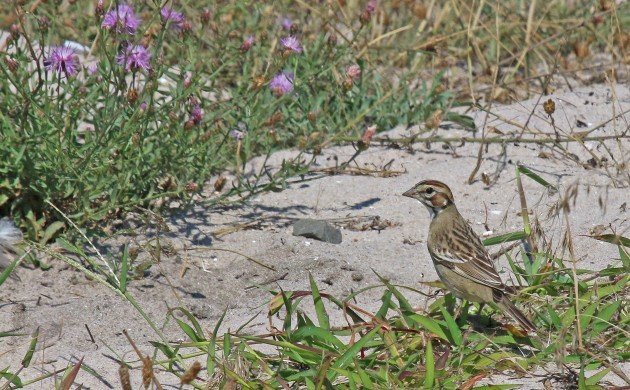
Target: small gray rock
point(319, 230)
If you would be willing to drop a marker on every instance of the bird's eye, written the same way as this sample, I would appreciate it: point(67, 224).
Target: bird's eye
point(429, 191)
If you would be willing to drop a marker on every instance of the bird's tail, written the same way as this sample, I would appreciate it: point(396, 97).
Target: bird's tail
point(508, 307)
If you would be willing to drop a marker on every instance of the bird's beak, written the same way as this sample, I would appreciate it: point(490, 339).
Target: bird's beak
point(409, 193)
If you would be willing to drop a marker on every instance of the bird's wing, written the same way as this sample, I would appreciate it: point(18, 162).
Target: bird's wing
point(466, 256)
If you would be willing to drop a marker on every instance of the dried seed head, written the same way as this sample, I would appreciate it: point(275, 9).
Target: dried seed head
point(43, 23)
point(147, 372)
point(132, 95)
point(219, 183)
point(275, 118)
point(12, 64)
point(205, 15)
point(99, 9)
point(123, 373)
point(332, 40)
point(191, 373)
point(581, 49)
point(420, 11)
point(15, 31)
point(258, 82)
point(549, 106)
point(435, 119)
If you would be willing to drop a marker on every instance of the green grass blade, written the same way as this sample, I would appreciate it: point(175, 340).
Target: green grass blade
point(535, 177)
point(429, 363)
point(351, 353)
point(503, 238)
point(320, 309)
point(320, 334)
point(124, 269)
point(453, 329)
point(613, 239)
point(429, 324)
point(26, 361)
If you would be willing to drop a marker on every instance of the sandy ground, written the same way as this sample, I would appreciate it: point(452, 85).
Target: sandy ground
point(63, 303)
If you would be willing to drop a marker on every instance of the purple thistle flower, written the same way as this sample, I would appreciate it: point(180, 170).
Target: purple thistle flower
point(176, 18)
point(135, 57)
point(121, 19)
point(282, 83)
point(353, 72)
point(240, 132)
point(291, 43)
point(63, 60)
point(196, 114)
point(371, 6)
point(247, 43)
point(92, 68)
point(286, 23)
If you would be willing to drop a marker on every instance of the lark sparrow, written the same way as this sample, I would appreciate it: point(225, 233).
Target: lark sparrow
point(459, 257)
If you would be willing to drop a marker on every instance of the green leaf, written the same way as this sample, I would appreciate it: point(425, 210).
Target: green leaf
point(503, 238)
point(430, 365)
point(586, 314)
point(4, 275)
point(455, 333)
point(613, 239)
point(382, 311)
point(402, 301)
point(320, 309)
point(535, 177)
point(555, 319)
point(50, 231)
point(190, 332)
point(595, 378)
point(198, 330)
point(165, 349)
point(625, 258)
point(12, 378)
point(351, 353)
point(124, 269)
point(26, 361)
point(320, 334)
point(602, 319)
point(429, 324)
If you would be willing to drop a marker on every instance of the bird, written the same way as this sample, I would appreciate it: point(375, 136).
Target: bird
point(459, 257)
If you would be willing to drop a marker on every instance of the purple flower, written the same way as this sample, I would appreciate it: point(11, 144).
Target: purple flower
point(196, 114)
point(176, 18)
point(286, 23)
point(282, 83)
point(63, 60)
point(247, 43)
point(371, 6)
point(240, 132)
point(291, 43)
point(353, 72)
point(121, 19)
point(92, 68)
point(135, 57)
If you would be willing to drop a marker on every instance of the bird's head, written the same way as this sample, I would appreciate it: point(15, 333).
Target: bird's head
point(435, 195)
